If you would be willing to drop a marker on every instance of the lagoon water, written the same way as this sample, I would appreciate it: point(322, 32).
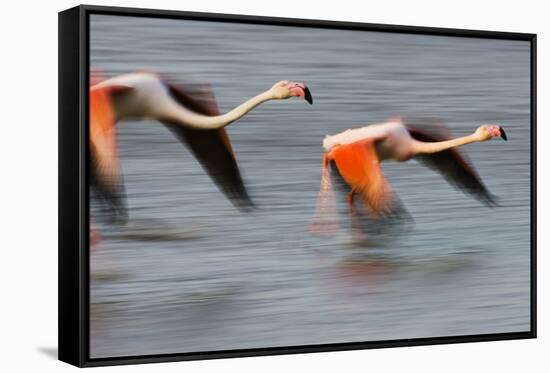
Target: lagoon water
point(192, 273)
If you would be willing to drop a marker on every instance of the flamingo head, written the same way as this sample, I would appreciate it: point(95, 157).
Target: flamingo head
point(488, 131)
point(286, 89)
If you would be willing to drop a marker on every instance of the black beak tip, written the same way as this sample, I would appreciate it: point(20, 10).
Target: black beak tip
point(307, 96)
point(503, 134)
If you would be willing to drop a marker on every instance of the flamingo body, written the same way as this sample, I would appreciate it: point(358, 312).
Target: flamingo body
point(188, 111)
point(358, 153)
point(147, 97)
point(393, 133)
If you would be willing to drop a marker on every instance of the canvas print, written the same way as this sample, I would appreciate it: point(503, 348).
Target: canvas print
point(256, 186)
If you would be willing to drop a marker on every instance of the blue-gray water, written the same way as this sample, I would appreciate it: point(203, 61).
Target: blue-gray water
point(191, 273)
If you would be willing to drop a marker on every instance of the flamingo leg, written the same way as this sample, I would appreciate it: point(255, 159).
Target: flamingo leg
point(95, 237)
point(325, 221)
point(352, 211)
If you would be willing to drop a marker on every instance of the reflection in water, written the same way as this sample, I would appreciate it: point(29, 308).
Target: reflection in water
point(190, 272)
point(155, 230)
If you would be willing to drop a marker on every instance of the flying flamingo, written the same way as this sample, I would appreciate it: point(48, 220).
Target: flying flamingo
point(189, 112)
point(357, 154)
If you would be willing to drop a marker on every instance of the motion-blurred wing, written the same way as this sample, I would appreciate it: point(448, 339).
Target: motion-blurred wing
point(358, 165)
point(212, 148)
point(451, 163)
point(105, 168)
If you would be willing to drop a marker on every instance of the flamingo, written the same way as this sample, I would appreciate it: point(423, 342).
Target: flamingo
point(189, 112)
point(357, 153)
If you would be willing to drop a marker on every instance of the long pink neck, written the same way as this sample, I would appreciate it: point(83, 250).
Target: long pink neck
point(421, 147)
point(197, 121)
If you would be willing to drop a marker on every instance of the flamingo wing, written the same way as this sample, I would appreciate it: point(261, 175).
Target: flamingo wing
point(105, 173)
point(359, 166)
point(451, 163)
point(211, 148)
point(359, 171)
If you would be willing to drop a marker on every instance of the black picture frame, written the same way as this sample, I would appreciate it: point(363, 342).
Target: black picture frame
point(74, 191)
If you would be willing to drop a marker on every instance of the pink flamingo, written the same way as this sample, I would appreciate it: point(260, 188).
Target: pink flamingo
point(191, 114)
point(357, 154)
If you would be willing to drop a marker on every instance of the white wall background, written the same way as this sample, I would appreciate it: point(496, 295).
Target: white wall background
point(28, 182)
